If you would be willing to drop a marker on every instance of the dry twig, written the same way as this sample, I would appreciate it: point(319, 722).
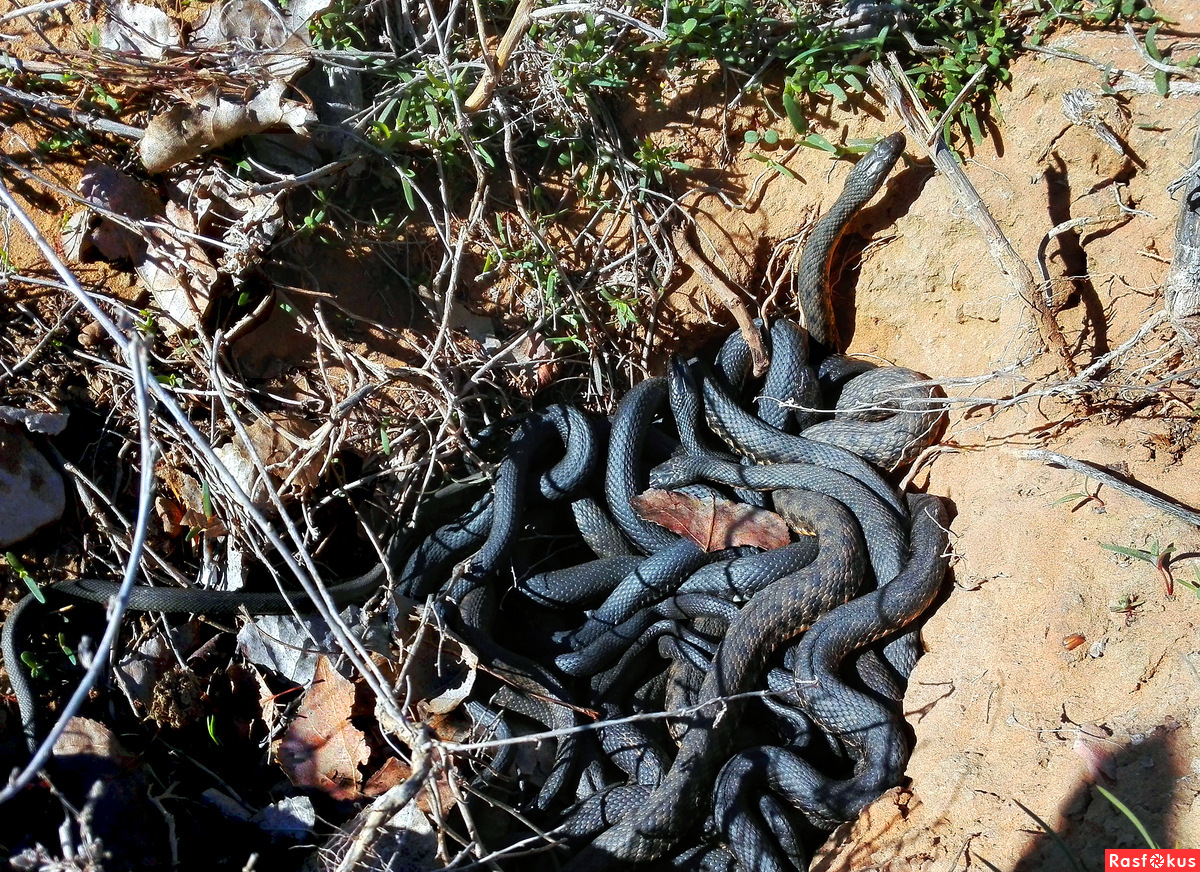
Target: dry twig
point(904, 102)
point(725, 294)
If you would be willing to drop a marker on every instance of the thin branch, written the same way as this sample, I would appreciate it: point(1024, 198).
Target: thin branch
point(902, 100)
point(46, 105)
point(135, 352)
point(1177, 510)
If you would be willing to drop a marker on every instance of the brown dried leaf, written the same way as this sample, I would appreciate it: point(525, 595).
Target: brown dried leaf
point(113, 190)
point(177, 271)
point(713, 524)
point(212, 119)
point(321, 749)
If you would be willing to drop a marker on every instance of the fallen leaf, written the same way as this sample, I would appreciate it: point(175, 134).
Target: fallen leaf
point(189, 496)
point(177, 271)
point(321, 749)
point(212, 119)
point(714, 524)
point(260, 36)
point(138, 29)
point(407, 840)
point(283, 644)
point(114, 191)
point(292, 817)
point(225, 207)
point(91, 740)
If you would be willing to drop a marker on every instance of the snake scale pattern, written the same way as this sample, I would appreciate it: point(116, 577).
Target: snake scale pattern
point(748, 698)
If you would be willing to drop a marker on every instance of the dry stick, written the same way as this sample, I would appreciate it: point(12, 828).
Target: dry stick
point(723, 292)
point(1083, 468)
point(390, 802)
point(305, 575)
point(1115, 77)
point(902, 100)
point(1181, 290)
point(517, 28)
point(84, 119)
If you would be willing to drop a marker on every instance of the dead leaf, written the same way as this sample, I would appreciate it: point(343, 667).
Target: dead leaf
point(212, 119)
point(260, 36)
point(177, 271)
point(439, 672)
point(87, 739)
point(114, 191)
point(284, 644)
point(247, 224)
point(189, 496)
point(138, 29)
point(713, 524)
point(406, 841)
point(321, 749)
point(292, 817)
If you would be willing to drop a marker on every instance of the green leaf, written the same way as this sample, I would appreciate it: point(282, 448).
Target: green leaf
point(406, 187)
point(206, 500)
point(1161, 84)
point(1124, 809)
point(66, 649)
point(750, 137)
point(792, 108)
point(835, 89)
point(34, 589)
point(816, 140)
point(1151, 47)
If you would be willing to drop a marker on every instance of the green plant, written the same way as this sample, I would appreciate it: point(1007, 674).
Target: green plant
point(34, 588)
point(656, 161)
point(1081, 498)
point(1129, 604)
point(1154, 554)
point(62, 141)
point(1124, 809)
point(37, 668)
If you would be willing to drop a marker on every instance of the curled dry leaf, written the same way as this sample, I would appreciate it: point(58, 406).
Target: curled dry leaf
point(713, 524)
point(187, 510)
point(259, 36)
point(213, 119)
point(226, 209)
point(321, 749)
point(177, 271)
point(439, 671)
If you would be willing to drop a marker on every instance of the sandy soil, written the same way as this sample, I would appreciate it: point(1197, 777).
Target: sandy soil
point(1013, 715)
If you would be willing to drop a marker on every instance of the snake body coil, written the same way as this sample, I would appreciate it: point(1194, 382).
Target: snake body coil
point(654, 623)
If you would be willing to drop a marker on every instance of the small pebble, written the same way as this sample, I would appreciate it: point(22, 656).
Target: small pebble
point(1097, 649)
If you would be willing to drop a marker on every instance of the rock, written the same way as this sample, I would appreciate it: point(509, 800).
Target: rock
point(31, 491)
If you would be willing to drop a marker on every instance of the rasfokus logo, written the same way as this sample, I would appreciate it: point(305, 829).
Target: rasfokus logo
point(1152, 858)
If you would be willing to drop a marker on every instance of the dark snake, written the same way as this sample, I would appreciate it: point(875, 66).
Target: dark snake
point(679, 602)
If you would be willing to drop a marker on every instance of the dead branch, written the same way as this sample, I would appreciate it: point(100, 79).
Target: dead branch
point(1181, 290)
point(902, 100)
point(517, 28)
point(1171, 507)
point(721, 291)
